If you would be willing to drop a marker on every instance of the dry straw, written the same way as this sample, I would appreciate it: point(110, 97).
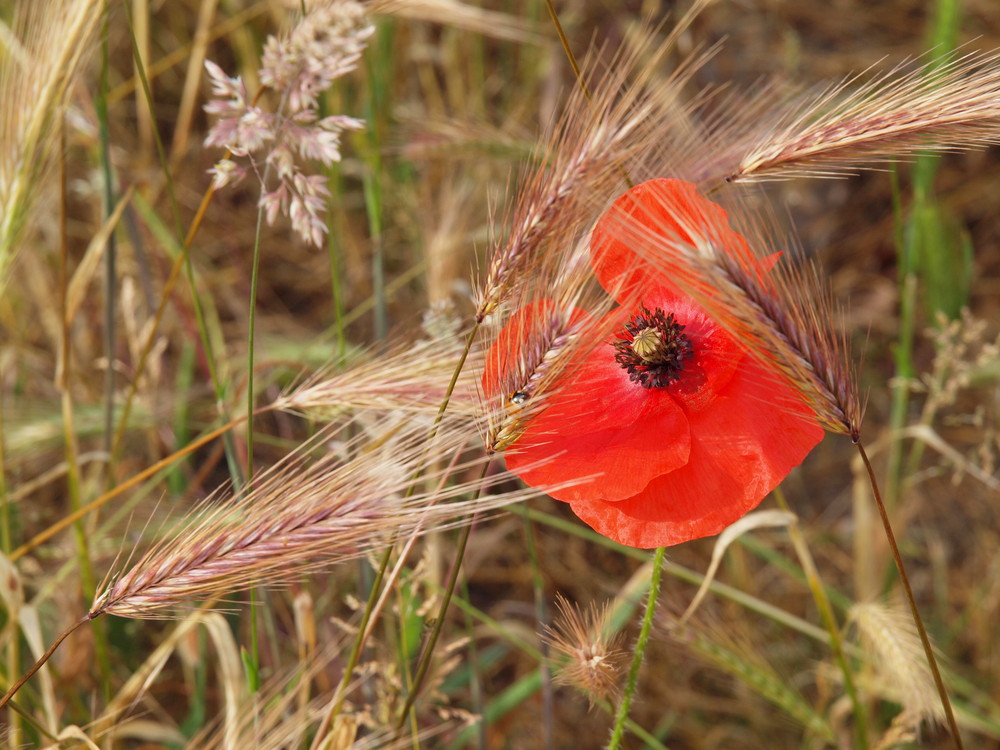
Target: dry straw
point(465, 16)
point(730, 647)
point(40, 57)
point(289, 707)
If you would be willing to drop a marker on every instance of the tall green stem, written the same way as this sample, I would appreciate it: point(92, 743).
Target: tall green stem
point(640, 649)
point(185, 258)
point(355, 655)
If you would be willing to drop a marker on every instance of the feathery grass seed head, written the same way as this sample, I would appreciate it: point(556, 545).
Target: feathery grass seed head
point(900, 668)
point(954, 106)
point(39, 63)
point(611, 125)
point(590, 656)
point(301, 514)
point(777, 308)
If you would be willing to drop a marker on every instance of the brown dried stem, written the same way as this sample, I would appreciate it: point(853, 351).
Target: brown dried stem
point(42, 659)
point(143, 475)
point(904, 579)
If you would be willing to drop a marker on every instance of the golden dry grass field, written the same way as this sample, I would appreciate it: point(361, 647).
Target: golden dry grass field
point(227, 476)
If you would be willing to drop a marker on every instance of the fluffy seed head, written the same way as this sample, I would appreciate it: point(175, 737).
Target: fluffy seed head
point(325, 45)
point(589, 656)
point(900, 667)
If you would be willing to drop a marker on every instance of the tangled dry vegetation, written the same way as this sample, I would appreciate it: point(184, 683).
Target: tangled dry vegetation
point(238, 476)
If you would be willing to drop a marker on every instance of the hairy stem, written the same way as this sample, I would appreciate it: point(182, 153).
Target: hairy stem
point(41, 660)
point(640, 649)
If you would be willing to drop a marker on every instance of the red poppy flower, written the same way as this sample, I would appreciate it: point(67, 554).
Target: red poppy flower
point(669, 431)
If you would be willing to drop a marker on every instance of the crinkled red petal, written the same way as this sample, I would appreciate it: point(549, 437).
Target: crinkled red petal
point(743, 447)
point(623, 245)
point(612, 435)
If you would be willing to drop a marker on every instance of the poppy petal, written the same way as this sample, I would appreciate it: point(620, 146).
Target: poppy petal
point(665, 208)
point(742, 448)
point(604, 433)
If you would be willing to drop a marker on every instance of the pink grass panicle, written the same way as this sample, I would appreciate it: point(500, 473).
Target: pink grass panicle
point(324, 46)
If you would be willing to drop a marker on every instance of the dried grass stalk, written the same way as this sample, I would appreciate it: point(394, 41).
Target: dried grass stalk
point(459, 15)
point(302, 515)
point(729, 646)
point(39, 61)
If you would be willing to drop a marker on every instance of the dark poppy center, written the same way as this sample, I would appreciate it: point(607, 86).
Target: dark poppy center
point(652, 348)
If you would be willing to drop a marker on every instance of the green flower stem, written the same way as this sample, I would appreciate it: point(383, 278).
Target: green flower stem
point(254, 652)
point(74, 490)
point(922, 238)
point(640, 649)
point(204, 334)
point(110, 273)
point(473, 662)
point(335, 220)
point(427, 647)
